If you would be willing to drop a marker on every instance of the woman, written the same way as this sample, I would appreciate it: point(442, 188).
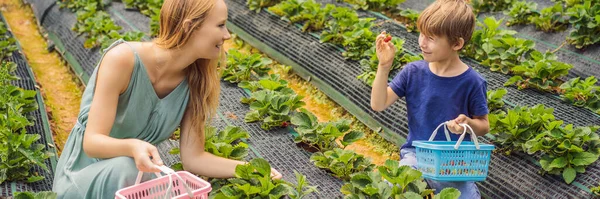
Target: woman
point(139, 94)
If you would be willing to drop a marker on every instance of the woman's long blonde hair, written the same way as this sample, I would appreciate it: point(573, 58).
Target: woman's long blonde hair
point(178, 19)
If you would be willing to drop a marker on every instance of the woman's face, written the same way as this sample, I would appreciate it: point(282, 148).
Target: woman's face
point(208, 39)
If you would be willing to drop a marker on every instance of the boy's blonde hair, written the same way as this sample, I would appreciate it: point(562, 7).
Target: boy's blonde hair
point(451, 18)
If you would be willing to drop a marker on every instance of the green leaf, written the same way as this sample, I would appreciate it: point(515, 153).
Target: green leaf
point(412, 195)
point(262, 166)
point(35, 179)
point(558, 163)
point(584, 158)
point(174, 151)
point(351, 137)
point(39, 195)
point(569, 174)
point(448, 193)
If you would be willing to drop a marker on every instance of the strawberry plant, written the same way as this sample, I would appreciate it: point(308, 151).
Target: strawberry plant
point(272, 82)
point(18, 151)
point(302, 188)
point(405, 182)
point(150, 8)
point(411, 17)
point(541, 71)
point(226, 143)
point(502, 54)
point(37, 195)
point(253, 180)
point(490, 30)
point(551, 19)
point(585, 19)
point(358, 40)
point(323, 135)
point(313, 16)
point(113, 36)
point(377, 5)
point(494, 100)
point(344, 20)
point(595, 190)
point(582, 93)
point(521, 124)
point(273, 108)
point(491, 6)
point(566, 150)
point(257, 5)
point(342, 163)
point(521, 13)
point(287, 9)
point(7, 43)
point(241, 66)
point(75, 5)
point(367, 185)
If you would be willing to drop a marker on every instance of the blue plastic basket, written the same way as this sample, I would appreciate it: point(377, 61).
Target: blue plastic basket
point(453, 160)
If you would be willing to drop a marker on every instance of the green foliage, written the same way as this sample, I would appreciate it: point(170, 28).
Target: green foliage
point(541, 71)
point(258, 5)
point(38, 195)
point(253, 180)
point(582, 93)
point(19, 152)
point(585, 19)
point(323, 135)
point(406, 183)
point(521, 13)
point(226, 143)
point(241, 67)
point(491, 6)
point(551, 19)
point(376, 5)
point(521, 124)
point(342, 163)
point(566, 150)
point(494, 100)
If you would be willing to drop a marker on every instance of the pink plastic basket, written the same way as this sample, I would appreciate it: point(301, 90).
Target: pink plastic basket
point(183, 185)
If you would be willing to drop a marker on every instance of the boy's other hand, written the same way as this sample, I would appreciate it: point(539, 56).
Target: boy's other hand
point(454, 125)
point(386, 51)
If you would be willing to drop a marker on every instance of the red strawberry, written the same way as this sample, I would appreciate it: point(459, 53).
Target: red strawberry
point(388, 38)
point(284, 124)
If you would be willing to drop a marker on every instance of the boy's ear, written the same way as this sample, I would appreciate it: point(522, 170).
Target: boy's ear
point(459, 44)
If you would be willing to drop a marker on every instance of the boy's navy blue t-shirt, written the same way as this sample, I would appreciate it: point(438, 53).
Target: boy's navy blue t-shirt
point(432, 100)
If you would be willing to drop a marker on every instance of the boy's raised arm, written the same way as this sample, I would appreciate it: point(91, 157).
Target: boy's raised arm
point(381, 95)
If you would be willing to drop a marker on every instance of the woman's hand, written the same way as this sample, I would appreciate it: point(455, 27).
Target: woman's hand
point(275, 175)
point(146, 156)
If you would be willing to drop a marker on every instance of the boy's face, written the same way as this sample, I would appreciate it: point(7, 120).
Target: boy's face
point(435, 48)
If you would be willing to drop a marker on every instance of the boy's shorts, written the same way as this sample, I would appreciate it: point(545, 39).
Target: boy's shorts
point(468, 190)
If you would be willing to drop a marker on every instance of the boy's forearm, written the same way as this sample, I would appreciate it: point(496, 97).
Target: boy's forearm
point(480, 126)
point(379, 89)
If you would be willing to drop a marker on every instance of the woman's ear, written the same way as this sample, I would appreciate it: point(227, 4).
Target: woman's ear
point(459, 44)
point(187, 25)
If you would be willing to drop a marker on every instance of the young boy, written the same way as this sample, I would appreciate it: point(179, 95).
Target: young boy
point(441, 88)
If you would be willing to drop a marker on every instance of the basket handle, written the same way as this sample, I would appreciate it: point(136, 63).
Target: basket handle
point(170, 172)
point(462, 137)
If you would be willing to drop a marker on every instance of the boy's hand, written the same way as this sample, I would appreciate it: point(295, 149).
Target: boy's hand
point(454, 127)
point(386, 51)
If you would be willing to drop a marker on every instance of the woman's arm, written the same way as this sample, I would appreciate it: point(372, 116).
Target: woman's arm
point(112, 80)
point(196, 160)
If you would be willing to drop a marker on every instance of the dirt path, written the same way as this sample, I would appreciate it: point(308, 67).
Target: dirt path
point(59, 87)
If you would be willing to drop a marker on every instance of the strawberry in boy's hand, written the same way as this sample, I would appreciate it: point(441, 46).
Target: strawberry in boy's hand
point(388, 38)
point(386, 51)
